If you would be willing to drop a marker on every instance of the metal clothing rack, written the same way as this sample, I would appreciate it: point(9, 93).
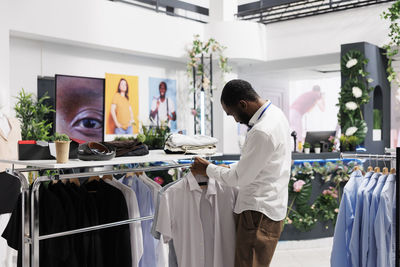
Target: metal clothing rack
point(30, 198)
point(392, 157)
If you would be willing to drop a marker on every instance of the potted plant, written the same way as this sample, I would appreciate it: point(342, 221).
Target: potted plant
point(62, 142)
point(155, 136)
point(307, 147)
point(377, 125)
point(35, 129)
point(317, 148)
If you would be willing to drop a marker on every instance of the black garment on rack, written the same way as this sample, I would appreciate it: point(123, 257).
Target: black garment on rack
point(12, 232)
point(111, 207)
point(59, 190)
point(81, 241)
point(11, 187)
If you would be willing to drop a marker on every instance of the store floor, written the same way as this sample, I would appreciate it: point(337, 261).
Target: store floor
point(308, 253)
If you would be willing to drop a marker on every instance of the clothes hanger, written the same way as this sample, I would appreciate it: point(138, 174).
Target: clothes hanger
point(74, 180)
point(370, 169)
point(377, 169)
point(385, 170)
point(107, 177)
point(93, 178)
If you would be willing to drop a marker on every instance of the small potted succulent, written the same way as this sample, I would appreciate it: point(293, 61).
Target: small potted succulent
point(307, 147)
point(317, 148)
point(62, 142)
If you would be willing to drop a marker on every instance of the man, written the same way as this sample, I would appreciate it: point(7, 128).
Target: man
point(262, 173)
point(302, 105)
point(163, 108)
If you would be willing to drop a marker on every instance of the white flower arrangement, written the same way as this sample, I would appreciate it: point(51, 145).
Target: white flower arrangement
point(369, 80)
point(357, 92)
point(171, 172)
point(351, 105)
point(351, 130)
point(351, 63)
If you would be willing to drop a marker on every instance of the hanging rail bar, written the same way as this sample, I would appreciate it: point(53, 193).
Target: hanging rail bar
point(367, 156)
point(97, 227)
point(105, 172)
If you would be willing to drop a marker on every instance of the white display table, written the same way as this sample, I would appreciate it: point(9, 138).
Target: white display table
point(153, 156)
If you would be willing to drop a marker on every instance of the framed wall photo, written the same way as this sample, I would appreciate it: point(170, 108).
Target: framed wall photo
point(162, 102)
point(80, 107)
point(121, 105)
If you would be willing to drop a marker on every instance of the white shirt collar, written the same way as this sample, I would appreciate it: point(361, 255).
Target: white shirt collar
point(254, 119)
point(194, 185)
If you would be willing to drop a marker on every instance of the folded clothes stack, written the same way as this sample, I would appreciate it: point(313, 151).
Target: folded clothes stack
point(190, 144)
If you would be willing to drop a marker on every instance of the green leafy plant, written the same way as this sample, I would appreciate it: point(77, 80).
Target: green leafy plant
point(60, 137)
point(377, 119)
point(392, 15)
point(307, 145)
point(303, 214)
point(206, 48)
point(32, 115)
point(155, 136)
point(354, 93)
point(317, 145)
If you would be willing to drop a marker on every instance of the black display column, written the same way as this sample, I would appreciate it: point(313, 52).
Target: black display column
point(379, 97)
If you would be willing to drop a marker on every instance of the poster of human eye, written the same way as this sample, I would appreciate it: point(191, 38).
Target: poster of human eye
point(121, 105)
point(80, 107)
point(162, 102)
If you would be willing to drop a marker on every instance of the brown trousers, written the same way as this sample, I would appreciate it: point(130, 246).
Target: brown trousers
point(256, 239)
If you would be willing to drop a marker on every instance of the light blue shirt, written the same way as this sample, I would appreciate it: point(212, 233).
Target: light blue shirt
point(144, 195)
point(367, 218)
point(340, 256)
point(385, 230)
point(354, 246)
point(371, 254)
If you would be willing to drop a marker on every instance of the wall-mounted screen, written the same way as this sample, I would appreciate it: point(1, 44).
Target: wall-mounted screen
point(80, 107)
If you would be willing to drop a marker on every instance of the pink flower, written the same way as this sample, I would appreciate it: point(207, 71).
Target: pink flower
point(337, 210)
point(331, 138)
point(159, 180)
point(194, 112)
point(297, 186)
point(289, 221)
point(334, 195)
point(325, 192)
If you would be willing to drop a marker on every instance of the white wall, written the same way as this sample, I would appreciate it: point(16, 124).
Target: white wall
point(323, 34)
point(30, 58)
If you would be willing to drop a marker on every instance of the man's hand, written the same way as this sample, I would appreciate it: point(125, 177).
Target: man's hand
point(199, 166)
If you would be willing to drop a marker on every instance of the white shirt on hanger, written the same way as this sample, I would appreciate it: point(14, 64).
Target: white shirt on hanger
point(263, 171)
point(180, 218)
point(135, 227)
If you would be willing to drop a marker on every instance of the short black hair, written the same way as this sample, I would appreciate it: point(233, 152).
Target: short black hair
point(236, 90)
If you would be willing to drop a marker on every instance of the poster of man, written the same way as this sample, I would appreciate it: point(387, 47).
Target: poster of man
point(162, 96)
point(121, 105)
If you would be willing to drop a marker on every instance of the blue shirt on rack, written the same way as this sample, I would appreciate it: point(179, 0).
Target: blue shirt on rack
point(340, 256)
point(385, 230)
point(354, 246)
point(371, 254)
point(144, 195)
point(367, 218)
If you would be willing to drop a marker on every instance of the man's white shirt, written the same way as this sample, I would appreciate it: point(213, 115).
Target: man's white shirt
point(263, 171)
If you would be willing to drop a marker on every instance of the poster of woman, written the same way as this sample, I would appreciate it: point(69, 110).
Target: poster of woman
point(162, 99)
point(121, 105)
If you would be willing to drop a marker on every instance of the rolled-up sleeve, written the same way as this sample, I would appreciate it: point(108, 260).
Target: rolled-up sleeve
point(256, 153)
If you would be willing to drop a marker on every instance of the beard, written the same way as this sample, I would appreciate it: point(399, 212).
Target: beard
point(243, 118)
